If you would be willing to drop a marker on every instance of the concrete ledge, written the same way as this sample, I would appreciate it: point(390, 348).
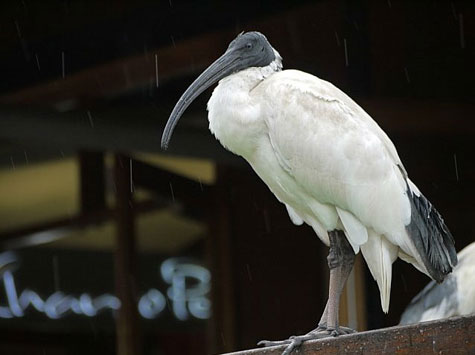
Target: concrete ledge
point(448, 336)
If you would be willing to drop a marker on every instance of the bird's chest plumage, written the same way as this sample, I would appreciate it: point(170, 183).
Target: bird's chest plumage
point(235, 116)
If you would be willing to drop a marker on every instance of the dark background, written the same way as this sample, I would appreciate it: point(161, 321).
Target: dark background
point(408, 63)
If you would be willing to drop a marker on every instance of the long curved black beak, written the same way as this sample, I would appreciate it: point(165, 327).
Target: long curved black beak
point(225, 65)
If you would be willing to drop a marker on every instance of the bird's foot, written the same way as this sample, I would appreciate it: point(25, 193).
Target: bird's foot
point(340, 330)
point(294, 342)
point(343, 331)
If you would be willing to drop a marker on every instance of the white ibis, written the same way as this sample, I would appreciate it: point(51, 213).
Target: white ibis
point(453, 297)
point(331, 165)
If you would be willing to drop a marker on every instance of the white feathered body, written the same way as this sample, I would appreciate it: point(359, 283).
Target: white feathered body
point(454, 297)
point(322, 156)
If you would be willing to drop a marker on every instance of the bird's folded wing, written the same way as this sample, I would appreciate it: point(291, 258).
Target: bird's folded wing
point(335, 151)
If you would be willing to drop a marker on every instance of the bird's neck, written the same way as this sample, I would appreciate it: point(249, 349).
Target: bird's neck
point(235, 110)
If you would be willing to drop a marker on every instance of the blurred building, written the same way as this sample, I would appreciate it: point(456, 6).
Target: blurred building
point(110, 245)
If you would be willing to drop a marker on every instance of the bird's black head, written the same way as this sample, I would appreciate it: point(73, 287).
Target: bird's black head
point(250, 49)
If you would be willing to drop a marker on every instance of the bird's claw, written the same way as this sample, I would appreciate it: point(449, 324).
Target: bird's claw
point(295, 341)
point(294, 344)
point(267, 343)
point(342, 331)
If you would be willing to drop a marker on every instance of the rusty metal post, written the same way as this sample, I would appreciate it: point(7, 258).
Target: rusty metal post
point(127, 323)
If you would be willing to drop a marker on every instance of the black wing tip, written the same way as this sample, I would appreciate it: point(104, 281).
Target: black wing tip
point(431, 237)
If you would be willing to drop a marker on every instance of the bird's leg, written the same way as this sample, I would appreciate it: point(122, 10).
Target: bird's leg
point(322, 324)
point(340, 262)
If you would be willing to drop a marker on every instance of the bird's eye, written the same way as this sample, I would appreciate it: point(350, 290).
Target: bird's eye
point(249, 45)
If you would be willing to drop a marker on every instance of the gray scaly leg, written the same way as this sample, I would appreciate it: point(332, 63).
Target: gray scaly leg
point(340, 262)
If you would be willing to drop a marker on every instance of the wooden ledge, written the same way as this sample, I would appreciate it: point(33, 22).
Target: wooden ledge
point(448, 336)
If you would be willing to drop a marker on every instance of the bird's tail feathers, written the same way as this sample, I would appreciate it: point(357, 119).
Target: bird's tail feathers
point(380, 254)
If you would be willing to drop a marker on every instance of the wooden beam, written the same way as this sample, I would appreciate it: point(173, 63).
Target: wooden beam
point(112, 130)
point(172, 188)
point(448, 336)
point(22, 236)
point(428, 117)
point(127, 322)
point(222, 332)
point(156, 179)
point(92, 182)
point(169, 186)
point(125, 74)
